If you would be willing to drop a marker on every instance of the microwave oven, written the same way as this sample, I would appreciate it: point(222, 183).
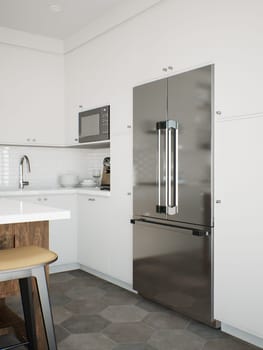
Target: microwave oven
point(94, 125)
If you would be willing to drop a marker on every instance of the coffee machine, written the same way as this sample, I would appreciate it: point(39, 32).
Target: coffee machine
point(105, 179)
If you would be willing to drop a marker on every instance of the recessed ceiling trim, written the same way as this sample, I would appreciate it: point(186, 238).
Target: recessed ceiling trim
point(111, 19)
point(31, 41)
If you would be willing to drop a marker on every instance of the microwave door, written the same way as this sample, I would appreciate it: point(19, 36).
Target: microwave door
point(94, 125)
point(89, 127)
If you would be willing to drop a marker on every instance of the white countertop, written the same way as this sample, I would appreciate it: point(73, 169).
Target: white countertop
point(14, 211)
point(29, 191)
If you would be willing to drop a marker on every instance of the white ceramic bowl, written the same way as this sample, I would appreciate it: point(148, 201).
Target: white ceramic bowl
point(88, 183)
point(68, 180)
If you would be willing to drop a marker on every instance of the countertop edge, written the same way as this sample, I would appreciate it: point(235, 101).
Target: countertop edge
point(58, 191)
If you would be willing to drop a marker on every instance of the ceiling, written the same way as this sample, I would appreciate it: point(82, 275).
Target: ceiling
point(52, 18)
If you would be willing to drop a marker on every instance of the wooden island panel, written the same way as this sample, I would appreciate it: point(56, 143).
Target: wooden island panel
point(13, 236)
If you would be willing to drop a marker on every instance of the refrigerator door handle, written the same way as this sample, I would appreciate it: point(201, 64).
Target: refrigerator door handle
point(159, 167)
point(160, 207)
point(172, 167)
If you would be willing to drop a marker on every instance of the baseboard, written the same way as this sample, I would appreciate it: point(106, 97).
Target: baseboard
point(63, 267)
point(107, 278)
point(242, 335)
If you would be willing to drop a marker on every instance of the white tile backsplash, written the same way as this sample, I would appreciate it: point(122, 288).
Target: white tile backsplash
point(47, 164)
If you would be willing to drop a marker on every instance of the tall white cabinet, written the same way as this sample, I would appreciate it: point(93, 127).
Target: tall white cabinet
point(238, 224)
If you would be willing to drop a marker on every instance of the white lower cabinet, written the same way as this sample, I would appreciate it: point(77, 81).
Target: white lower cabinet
point(94, 237)
point(62, 233)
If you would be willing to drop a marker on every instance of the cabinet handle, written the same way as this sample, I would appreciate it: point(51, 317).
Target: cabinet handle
point(28, 140)
point(45, 199)
point(34, 140)
point(39, 199)
point(92, 199)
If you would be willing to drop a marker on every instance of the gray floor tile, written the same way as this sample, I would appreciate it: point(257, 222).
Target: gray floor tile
point(204, 331)
point(150, 306)
point(57, 298)
point(61, 277)
point(85, 324)
point(85, 293)
point(87, 308)
point(86, 299)
point(128, 332)
point(177, 340)
point(166, 320)
point(92, 341)
point(134, 347)
point(60, 314)
point(123, 313)
point(61, 333)
point(120, 297)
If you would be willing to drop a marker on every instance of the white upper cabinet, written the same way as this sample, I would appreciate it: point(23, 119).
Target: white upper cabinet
point(31, 97)
point(239, 83)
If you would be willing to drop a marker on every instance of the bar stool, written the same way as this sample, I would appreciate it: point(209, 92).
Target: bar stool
point(22, 264)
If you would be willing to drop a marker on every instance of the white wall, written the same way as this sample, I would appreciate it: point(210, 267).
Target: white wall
point(47, 164)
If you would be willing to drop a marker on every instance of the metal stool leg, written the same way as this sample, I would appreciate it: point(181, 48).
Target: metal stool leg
point(40, 275)
point(29, 314)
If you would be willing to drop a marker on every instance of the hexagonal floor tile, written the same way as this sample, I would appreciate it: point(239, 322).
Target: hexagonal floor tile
point(128, 332)
point(134, 347)
point(205, 331)
point(85, 293)
point(61, 333)
point(92, 341)
point(85, 324)
point(166, 320)
point(120, 297)
point(60, 314)
point(123, 313)
point(61, 277)
point(81, 307)
point(176, 340)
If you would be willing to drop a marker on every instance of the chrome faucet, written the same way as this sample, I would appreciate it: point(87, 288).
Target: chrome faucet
point(22, 182)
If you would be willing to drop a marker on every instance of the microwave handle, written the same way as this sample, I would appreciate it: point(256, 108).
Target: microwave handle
point(79, 125)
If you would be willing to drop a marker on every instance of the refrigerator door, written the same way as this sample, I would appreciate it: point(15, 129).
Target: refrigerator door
point(173, 148)
point(149, 108)
point(190, 104)
point(173, 267)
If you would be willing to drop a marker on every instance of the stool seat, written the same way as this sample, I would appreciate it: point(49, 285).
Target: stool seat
point(24, 264)
point(25, 257)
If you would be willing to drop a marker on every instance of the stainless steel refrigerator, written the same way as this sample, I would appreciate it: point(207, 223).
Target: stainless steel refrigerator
point(173, 192)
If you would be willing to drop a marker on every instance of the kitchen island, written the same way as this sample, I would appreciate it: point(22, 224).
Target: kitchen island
point(23, 223)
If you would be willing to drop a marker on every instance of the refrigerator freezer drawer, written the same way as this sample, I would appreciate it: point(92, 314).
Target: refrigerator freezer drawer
point(172, 266)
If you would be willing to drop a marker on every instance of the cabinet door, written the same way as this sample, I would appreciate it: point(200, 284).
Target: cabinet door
point(94, 233)
point(32, 97)
point(239, 84)
point(62, 233)
point(238, 224)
